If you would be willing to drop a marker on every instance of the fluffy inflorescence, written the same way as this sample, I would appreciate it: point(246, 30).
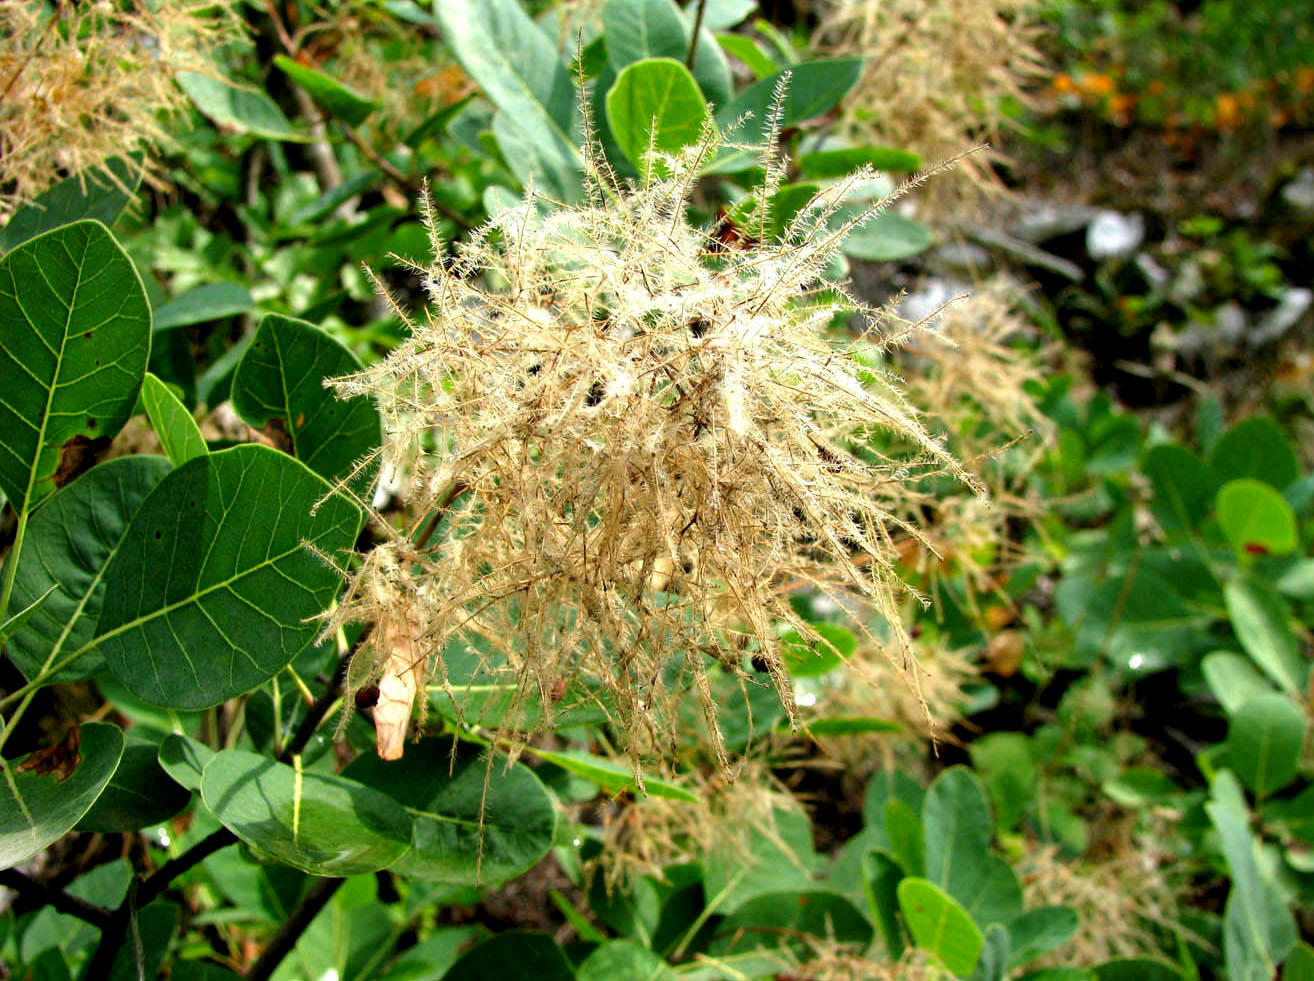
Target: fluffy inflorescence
point(636, 441)
point(938, 78)
point(81, 83)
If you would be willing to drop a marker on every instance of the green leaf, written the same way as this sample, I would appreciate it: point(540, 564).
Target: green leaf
point(627, 959)
point(956, 822)
point(907, 841)
point(639, 29)
point(613, 778)
point(746, 50)
point(155, 925)
point(214, 588)
point(887, 237)
point(245, 110)
point(517, 67)
point(281, 379)
point(992, 964)
point(19, 619)
point(1300, 965)
point(69, 543)
point(184, 759)
point(209, 301)
point(791, 917)
point(1258, 929)
point(36, 809)
point(319, 823)
point(477, 822)
point(1255, 448)
point(139, 794)
point(880, 881)
point(849, 725)
point(334, 97)
point(513, 954)
point(179, 434)
point(1040, 930)
point(74, 341)
point(100, 193)
point(1233, 679)
point(1264, 739)
point(940, 925)
point(1183, 485)
point(1137, 969)
point(721, 15)
point(1259, 618)
point(1142, 786)
point(808, 659)
point(815, 87)
point(655, 104)
point(1256, 519)
point(782, 859)
point(436, 123)
point(827, 164)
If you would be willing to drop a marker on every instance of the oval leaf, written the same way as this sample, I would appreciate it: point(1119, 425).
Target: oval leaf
point(1256, 519)
point(139, 793)
point(639, 29)
point(825, 164)
point(624, 959)
point(74, 341)
point(513, 954)
point(1183, 487)
point(214, 589)
point(37, 808)
point(792, 917)
point(1264, 741)
point(351, 107)
point(613, 778)
point(1259, 618)
point(69, 543)
point(209, 301)
point(100, 193)
point(178, 432)
point(807, 659)
point(184, 759)
point(1233, 679)
point(242, 109)
point(517, 67)
point(319, 823)
point(887, 238)
point(940, 925)
point(280, 382)
point(1255, 448)
point(655, 104)
point(475, 823)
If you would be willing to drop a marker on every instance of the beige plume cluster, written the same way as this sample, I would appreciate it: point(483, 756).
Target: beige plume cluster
point(622, 443)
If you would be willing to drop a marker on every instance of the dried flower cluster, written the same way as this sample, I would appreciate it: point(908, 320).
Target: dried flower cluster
point(936, 80)
point(81, 83)
point(633, 438)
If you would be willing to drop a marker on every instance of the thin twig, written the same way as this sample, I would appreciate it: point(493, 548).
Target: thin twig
point(61, 901)
point(397, 177)
point(293, 927)
point(693, 40)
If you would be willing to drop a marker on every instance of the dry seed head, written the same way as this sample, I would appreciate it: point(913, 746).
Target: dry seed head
point(81, 83)
point(650, 435)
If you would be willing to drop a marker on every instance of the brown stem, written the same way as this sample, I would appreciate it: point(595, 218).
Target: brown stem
point(97, 916)
point(693, 41)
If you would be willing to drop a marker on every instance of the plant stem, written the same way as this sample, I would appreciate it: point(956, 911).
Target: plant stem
point(693, 39)
point(295, 925)
point(97, 916)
